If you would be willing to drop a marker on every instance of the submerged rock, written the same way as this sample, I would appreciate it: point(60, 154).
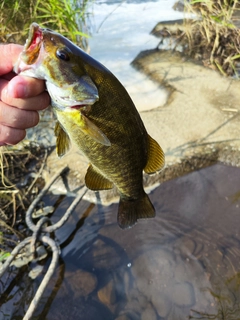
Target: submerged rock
point(155, 276)
point(123, 317)
point(149, 313)
point(107, 294)
point(25, 256)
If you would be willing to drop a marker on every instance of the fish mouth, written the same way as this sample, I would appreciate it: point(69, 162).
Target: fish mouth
point(65, 96)
point(33, 44)
point(84, 106)
point(81, 106)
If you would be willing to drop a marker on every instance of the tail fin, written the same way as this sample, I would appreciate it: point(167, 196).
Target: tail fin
point(130, 211)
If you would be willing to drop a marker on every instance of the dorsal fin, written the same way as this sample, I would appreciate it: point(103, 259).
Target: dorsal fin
point(156, 157)
point(96, 181)
point(62, 142)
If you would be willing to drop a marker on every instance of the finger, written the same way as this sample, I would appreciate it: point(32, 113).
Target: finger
point(8, 76)
point(38, 102)
point(10, 135)
point(25, 87)
point(17, 118)
point(9, 54)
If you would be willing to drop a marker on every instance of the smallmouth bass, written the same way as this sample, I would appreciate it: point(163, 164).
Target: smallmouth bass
point(95, 112)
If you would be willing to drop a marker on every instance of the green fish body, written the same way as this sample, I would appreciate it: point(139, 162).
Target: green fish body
point(95, 112)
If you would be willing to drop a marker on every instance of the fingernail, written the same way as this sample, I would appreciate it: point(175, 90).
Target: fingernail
point(20, 91)
point(16, 91)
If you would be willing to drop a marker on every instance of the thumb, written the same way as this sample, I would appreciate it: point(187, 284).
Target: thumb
point(8, 56)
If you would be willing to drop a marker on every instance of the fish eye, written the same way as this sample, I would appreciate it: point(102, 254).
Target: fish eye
point(62, 54)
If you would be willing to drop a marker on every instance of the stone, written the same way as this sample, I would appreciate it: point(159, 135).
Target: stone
point(25, 256)
point(104, 256)
point(107, 294)
point(162, 304)
point(153, 269)
point(82, 282)
point(43, 211)
point(149, 314)
point(182, 294)
point(154, 273)
point(35, 272)
point(122, 317)
point(80, 308)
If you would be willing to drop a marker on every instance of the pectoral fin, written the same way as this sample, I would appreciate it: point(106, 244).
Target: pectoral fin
point(62, 141)
point(95, 181)
point(89, 128)
point(156, 157)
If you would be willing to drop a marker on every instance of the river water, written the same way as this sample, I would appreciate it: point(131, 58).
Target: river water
point(183, 264)
point(120, 30)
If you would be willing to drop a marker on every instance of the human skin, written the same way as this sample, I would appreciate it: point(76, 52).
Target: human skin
point(20, 98)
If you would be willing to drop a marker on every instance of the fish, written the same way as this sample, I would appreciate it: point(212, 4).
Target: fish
point(95, 112)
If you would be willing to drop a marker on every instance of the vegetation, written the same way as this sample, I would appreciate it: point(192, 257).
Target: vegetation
point(211, 37)
point(64, 16)
point(20, 181)
point(214, 37)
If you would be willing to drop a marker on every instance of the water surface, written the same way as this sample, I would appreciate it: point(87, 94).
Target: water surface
point(183, 264)
point(120, 30)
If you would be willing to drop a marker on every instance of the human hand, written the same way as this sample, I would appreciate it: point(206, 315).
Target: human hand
point(20, 98)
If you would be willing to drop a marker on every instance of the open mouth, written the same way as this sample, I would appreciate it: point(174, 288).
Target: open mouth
point(33, 44)
point(78, 106)
point(83, 107)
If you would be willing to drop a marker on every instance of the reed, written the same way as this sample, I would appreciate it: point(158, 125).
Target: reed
point(214, 36)
point(21, 179)
point(64, 16)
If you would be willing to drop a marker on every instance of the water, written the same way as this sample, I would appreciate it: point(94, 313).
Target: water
point(120, 31)
point(183, 262)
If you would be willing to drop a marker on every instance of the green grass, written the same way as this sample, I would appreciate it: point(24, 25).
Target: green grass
point(59, 15)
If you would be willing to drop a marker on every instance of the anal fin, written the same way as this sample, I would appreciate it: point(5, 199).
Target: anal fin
point(94, 180)
point(156, 158)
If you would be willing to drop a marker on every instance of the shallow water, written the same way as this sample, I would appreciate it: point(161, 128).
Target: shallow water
point(183, 264)
point(120, 30)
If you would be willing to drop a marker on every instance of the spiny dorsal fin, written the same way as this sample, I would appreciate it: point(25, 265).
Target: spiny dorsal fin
point(156, 157)
point(95, 181)
point(62, 141)
point(89, 128)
